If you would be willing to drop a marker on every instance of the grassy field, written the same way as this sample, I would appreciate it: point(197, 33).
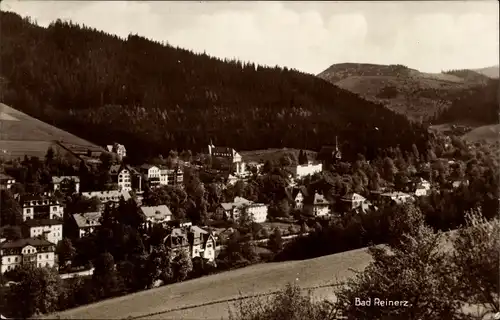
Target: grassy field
point(185, 300)
point(489, 134)
point(272, 154)
point(24, 135)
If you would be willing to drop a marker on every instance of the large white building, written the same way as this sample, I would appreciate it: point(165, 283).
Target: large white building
point(34, 251)
point(41, 206)
point(111, 196)
point(256, 211)
point(49, 229)
point(302, 171)
point(117, 148)
point(230, 154)
point(152, 174)
point(122, 175)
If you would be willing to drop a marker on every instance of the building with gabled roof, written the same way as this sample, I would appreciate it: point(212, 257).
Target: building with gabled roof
point(49, 229)
point(256, 211)
point(156, 214)
point(195, 240)
point(34, 251)
point(86, 223)
point(41, 206)
point(65, 183)
point(317, 205)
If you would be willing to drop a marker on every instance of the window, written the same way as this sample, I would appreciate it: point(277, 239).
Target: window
point(28, 210)
point(46, 256)
point(54, 209)
point(8, 259)
point(39, 265)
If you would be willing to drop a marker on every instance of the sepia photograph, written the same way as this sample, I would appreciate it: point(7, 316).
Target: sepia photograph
point(250, 160)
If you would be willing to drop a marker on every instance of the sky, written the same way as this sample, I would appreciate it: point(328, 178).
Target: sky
point(308, 36)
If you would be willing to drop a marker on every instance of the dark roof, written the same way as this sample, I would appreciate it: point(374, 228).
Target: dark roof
point(21, 243)
point(301, 189)
point(31, 197)
point(59, 179)
point(222, 150)
point(115, 169)
point(42, 222)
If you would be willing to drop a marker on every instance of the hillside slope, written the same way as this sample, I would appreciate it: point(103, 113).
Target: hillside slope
point(153, 97)
point(22, 135)
point(416, 94)
point(491, 72)
point(475, 107)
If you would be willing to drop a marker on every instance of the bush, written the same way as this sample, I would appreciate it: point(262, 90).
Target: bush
point(289, 304)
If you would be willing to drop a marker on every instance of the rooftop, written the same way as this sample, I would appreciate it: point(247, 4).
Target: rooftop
point(59, 179)
point(159, 212)
point(87, 219)
point(21, 243)
point(42, 222)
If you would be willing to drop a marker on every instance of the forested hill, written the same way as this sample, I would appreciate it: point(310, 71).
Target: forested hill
point(477, 106)
point(154, 97)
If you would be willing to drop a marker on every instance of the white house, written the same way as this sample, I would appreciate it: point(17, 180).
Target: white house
point(319, 206)
point(87, 222)
point(117, 148)
point(111, 196)
point(256, 211)
point(196, 241)
point(302, 171)
point(397, 197)
point(298, 197)
point(171, 177)
point(353, 201)
point(422, 188)
point(6, 181)
point(122, 175)
point(230, 154)
point(41, 206)
point(151, 173)
point(49, 229)
point(156, 214)
point(64, 183)
point(34, 251)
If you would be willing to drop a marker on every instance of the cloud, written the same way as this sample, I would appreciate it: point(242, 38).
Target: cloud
point(308, 36)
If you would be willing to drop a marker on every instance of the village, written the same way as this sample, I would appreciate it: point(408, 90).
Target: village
point(46, 220)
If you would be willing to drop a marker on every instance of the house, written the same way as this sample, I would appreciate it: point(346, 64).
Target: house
point(86, 223)
point(122, 175)
point(6, 181)
point(41, 206)
point(48, 229)
point(195, 240)
point(111, 196)
point(231, 180)
point(34, 251)
point(353, 201)
point(397, 197)
point(175, 176)
point(329, 155)
point(151, 174)
point(298, 196)
point(457, 183)
point(256, 211)
point(66, 184)
point(230, 154)
point(421, 187)
point(317, 205)
point(117, 148)
point(157, 214)
point(302, 171)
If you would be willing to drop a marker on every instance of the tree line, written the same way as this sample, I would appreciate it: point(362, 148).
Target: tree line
point(151, 96)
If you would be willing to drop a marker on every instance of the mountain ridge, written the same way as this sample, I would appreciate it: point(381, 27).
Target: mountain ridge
point(153, 97)
point(417, 95)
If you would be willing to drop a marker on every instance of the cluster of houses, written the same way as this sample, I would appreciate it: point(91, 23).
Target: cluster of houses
point(43, 215)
